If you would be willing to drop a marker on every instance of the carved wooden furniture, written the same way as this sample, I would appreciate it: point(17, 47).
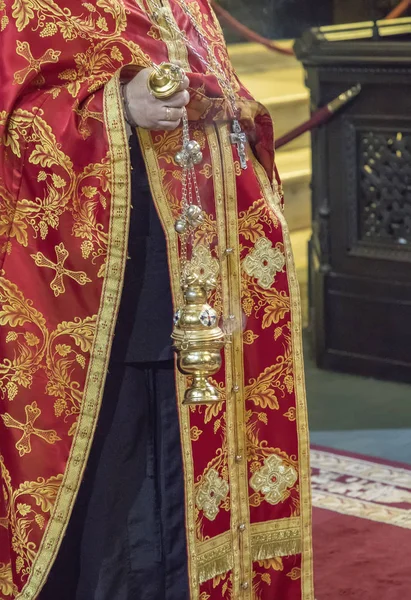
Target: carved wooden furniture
point(360, 251)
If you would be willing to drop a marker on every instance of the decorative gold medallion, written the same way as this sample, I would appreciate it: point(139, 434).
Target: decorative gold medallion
point(211, 493)
point(264, 262)
point(274, 479)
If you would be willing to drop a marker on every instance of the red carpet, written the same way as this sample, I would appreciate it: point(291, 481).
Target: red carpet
point(362, 527)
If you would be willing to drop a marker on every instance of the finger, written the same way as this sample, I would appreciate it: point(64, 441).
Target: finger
point(184, 84)
point(179, 99)
point(169, 125)
point(172, 114)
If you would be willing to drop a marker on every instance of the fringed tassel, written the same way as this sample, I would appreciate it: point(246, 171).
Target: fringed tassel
point(214, 563)
point(270, 549)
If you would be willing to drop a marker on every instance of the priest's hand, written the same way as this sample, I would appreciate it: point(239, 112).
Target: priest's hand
point(149, 112)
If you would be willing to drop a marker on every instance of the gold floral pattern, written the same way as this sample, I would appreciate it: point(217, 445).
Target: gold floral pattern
point(53, 349)
point(274, 479)
point(264, 262)
point(7, 587)
point(21, 516)
point(211, 493)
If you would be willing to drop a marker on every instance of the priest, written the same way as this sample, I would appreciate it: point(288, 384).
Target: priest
point(153, 430)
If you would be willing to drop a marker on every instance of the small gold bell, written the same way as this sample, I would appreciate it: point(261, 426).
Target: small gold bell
point(193, 147)
point(197, 158)
point(195, 215)
point(180, 226)
point(180, 159)
point(198, 341)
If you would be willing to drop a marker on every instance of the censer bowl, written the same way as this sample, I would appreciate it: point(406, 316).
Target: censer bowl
point(200, 363)
point(198, 341)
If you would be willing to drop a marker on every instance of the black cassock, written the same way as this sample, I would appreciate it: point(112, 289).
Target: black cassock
point(126, 538)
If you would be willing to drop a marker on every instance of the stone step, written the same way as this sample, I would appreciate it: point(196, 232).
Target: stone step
point(283, 92)
point(277, 81)
point(250, 57)
point(295, 171)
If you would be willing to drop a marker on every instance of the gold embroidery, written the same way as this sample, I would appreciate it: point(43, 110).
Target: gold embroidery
point(262, 391)
point(215, 561)
point(195, 433)
point(273, 539)
point(274, 479)
point(275, 563)
point(207, 171)
point(283, 542)
point(264, 262)
point(61, 361)
point(275, 204)
point(251, 221)
point(7, 587)
point(50, 14)
point(21, 516)
point(290, 414)
point(57, 285)
point(85, 113)
point(258, 588)
point(202, 266)
point(294, 574)
point(23, 49)
point(32, 414)
point(234, 360)
point(41, 562)
point(249, 337)
point(211, 493)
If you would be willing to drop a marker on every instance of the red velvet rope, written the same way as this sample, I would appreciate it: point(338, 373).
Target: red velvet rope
point(399, 10)
point(252, 36)
point(322, 115)
point(246, 32)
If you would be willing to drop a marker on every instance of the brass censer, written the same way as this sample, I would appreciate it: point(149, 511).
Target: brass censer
point(198, 339)
point(165, 80)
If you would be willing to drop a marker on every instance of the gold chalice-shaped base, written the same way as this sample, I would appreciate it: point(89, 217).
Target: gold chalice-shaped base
point(198, 342)
point(200, 361)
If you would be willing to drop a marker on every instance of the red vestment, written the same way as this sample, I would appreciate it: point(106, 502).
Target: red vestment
point(64, 214)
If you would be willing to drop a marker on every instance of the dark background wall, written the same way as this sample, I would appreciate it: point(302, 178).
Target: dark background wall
point(279, 19)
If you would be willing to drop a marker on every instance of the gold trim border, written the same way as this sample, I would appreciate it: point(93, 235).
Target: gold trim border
point(235, 399)
point(215, 557)
point(274, 202)
point(219, 194)
point(100, 353)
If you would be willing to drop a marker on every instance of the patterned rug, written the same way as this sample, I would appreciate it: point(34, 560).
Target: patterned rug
point(362, 527)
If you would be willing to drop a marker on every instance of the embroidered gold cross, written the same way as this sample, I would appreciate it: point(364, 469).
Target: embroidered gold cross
point(23, 49)
point(84, 113)
point(57, 285)
point(32, 414)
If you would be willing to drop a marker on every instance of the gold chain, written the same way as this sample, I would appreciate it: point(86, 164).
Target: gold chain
point(212, 64)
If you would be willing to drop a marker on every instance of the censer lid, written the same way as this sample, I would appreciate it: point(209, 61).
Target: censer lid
point(193, 337)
